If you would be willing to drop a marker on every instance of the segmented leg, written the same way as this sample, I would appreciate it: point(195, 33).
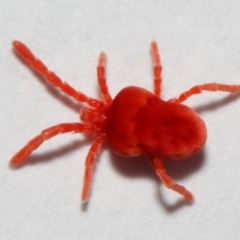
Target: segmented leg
point(102, 78)
point(89, 165)
point(50, 76)
point(46, 134)
point(205, 87)
point(157, 69)
point(157, 164)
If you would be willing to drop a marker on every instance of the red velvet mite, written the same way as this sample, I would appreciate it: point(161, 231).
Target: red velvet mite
point(135, 122)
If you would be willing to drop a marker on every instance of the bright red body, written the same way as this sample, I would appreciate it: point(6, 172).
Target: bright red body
point(135, 122)
point(140, 123)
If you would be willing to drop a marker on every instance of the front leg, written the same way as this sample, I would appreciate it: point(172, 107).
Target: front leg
point(21, 156)
point(89, 165)
point(51, 77)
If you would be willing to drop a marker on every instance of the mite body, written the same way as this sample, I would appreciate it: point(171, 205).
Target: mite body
point(153, 126)
point(135, 122)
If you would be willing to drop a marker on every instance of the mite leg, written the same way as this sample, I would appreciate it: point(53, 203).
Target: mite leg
point(21, 156)
point(157, 69)
point(157, 164)
point(50, 76)
point(213, 87)
point(101, 68)
point(89, 165)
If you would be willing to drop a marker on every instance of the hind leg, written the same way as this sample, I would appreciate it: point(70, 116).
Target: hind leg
point(157, 69)
point(157, 164)
point(213, 87)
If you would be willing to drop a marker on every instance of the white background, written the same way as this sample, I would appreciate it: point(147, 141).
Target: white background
point(199, 42)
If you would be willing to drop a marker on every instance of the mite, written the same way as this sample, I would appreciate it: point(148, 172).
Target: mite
point(135, 122)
